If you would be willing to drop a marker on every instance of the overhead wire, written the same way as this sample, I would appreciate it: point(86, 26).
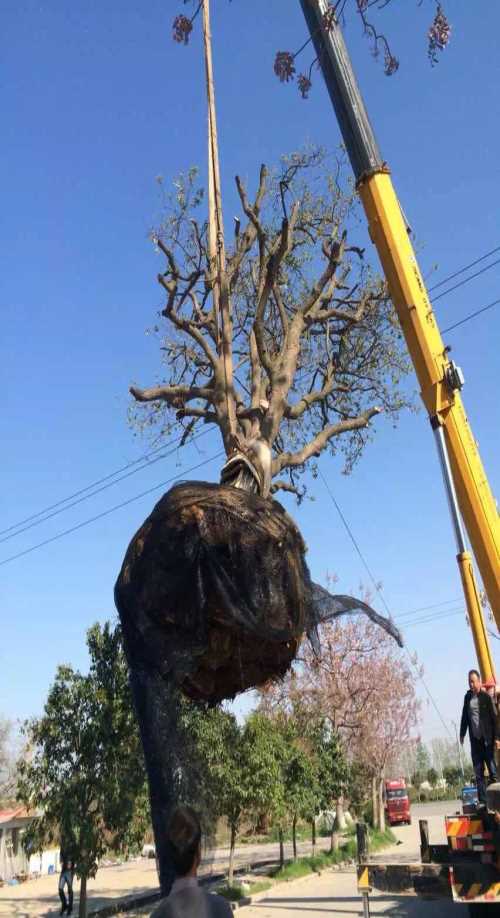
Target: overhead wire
point(382, 598)
point(472, 264)
point(98, 481)
point(435, 618)
point(435, 605)
point(107, 512)
point(471, 315)
point(147, 456)
point(465, 280)
point(86, 496)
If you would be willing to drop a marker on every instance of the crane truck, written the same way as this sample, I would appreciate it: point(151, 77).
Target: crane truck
point(468, 867)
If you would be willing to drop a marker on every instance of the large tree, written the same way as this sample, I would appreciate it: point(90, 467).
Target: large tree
point(292, 347)
point(86, 773)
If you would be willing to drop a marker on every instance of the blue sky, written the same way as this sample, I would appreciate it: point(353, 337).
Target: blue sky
point(97, 102)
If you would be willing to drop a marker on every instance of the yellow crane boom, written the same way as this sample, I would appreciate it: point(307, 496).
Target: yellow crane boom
point(468, 491)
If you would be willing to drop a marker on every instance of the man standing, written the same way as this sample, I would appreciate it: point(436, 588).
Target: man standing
point(479, 718)
point(66, 880)
point(187, 899)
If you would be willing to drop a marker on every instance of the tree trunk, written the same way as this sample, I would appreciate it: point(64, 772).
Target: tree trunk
point(230, 874)
point(375, 807)
point(282, 849)
point(381, 804)
point(334, 840)
point(313, 836)
point(262, 824)
point(294, 837)
point(339, 815)
point(82, 904)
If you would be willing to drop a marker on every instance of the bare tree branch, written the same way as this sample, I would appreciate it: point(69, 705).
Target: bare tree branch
point(316, 445)
point(290, 488)
point(173, 395)
point(313, 351)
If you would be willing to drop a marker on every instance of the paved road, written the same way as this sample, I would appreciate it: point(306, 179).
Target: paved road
point(408, 849)
point(334, 895)
point(38, 898)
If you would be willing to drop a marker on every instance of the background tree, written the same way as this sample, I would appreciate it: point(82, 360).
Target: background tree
point(452, 774)
point(311, 347)
point(422, 763)
point(363, 688)
point(432, 776)
point(225, 770)
point(266, 757)
point(333, 768)
point(86, 773)
point(299, 773)
point(8, 764)
point(438, 36)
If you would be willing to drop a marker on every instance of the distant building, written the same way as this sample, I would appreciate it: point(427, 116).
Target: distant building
point(13, 859)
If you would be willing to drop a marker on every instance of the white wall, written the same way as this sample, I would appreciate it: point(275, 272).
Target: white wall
point(40, 863)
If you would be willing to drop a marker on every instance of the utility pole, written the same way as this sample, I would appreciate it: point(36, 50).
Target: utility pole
point(459, 752)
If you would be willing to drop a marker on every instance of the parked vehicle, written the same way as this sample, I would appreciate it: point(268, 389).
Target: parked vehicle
point(397, 803)
point(469, 799)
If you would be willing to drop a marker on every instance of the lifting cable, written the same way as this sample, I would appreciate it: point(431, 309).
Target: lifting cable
point(216, 248)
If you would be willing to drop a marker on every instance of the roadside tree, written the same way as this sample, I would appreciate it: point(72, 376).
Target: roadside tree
point(86, 773)
point(265, 757)
point(364, 688)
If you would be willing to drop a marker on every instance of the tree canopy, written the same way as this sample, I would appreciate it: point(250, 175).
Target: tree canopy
point(313, 343)
point(85, 776)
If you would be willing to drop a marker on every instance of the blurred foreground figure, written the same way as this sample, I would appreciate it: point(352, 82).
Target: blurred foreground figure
point(186, 899)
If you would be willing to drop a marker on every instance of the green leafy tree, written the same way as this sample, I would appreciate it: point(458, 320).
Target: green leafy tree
point(332, 768)
point(86, 774)
point(265, 753)
point(422, 763)
point(432, 776)
point(298, 775)
point(452, 774)
point(225, 787)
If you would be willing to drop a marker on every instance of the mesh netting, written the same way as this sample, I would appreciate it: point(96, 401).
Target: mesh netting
point(215, 593)
point(214, 597)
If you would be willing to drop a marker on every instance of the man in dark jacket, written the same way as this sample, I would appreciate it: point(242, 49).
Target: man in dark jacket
point(479, 718)
point(186, 898)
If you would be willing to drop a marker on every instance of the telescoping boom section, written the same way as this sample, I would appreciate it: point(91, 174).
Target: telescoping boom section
point(468, 491)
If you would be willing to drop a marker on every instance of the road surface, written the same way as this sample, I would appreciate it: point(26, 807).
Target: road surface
point(38, 898)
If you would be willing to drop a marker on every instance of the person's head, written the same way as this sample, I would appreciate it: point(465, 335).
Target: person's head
point(184, 838)
point(474, 681)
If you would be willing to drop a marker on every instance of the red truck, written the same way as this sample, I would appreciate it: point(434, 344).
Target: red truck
point(397, 804)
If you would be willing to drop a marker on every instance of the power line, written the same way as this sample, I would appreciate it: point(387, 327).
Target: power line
point(92, 485)
point(465, 268)
point(100, 516)
point(434, 618)
point(84, 497)
point(356, 546)
point(147, 456)
point(471, 316)
point(466, 280)
point(436, 605)
point(382, 599)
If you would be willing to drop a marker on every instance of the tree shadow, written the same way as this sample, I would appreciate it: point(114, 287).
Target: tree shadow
point(46, 906)
point(388, 906)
